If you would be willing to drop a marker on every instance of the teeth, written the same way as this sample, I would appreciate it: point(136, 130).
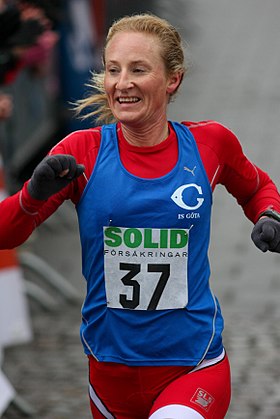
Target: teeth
point(128, 99)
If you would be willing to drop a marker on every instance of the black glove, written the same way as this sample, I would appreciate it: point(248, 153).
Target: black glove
point(266, 234)
point(53, 174)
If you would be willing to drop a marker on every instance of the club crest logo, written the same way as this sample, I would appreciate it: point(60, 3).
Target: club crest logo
point(183, 194)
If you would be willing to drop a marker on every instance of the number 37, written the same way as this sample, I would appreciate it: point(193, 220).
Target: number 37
point(130, 281)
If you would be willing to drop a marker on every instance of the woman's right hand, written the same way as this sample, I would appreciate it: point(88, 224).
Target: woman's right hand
point(53, 174)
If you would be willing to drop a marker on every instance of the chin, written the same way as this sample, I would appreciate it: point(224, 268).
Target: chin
point(128, 119)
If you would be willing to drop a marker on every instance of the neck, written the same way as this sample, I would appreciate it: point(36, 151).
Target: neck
point(146, 137)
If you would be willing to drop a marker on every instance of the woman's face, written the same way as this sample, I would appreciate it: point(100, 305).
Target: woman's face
point(136, 82)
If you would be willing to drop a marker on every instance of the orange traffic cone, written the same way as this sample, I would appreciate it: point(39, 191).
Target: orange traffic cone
point(15, 325)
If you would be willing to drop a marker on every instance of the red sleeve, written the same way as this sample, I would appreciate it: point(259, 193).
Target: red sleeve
point(225, 163)
point(20, 214)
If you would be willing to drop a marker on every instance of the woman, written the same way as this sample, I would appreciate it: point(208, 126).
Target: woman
point(151, 328)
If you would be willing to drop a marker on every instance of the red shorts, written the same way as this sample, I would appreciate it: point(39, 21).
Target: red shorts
point(121, 392)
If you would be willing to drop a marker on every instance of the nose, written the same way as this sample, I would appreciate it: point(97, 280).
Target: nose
point(124, 81)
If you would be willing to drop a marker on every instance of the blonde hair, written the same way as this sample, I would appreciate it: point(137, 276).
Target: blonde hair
point(171, 52)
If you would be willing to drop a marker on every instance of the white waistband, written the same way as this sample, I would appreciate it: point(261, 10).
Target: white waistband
point(208, 362)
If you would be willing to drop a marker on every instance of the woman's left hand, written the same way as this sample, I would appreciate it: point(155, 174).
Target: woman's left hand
point(266, 234)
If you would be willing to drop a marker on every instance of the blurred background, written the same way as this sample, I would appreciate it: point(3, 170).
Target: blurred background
point(47, 50)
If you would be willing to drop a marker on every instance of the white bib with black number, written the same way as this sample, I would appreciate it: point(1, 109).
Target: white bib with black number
point(145, 268)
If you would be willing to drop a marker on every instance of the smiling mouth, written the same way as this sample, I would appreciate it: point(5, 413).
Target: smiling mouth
point(128, 99)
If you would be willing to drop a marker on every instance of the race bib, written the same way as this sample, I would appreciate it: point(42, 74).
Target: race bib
point(146, 268)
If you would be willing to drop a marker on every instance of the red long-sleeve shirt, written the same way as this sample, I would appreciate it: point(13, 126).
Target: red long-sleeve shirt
point(220, 151)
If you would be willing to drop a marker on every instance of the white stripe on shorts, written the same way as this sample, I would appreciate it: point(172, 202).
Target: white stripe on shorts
point(176, 411)
point(98, 403)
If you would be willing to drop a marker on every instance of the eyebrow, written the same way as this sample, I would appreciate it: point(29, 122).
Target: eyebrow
point(132, 62)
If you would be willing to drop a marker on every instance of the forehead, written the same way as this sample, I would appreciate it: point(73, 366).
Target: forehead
point(137, 45)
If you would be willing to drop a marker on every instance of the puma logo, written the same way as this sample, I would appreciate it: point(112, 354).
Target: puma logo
point(190, 170)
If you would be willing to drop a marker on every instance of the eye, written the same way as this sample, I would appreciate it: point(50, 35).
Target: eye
point(113, 70)
point(138, 70)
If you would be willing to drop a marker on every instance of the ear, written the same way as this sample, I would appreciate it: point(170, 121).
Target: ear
point(174, 82)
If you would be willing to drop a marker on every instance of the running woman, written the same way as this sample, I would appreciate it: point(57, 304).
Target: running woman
point(142, 186)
